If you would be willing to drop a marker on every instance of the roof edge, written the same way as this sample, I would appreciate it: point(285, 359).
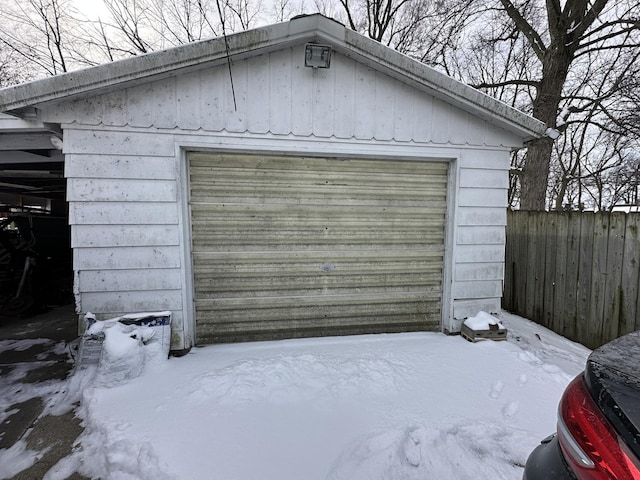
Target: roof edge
point(150, 64)
point(315, 27)
point(445, 87)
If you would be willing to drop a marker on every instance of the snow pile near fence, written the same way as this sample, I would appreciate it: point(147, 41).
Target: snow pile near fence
point(405, 406)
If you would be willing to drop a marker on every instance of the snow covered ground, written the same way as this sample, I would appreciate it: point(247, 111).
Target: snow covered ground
point(401, 406)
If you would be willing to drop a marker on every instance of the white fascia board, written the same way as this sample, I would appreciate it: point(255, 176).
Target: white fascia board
point(11, 123)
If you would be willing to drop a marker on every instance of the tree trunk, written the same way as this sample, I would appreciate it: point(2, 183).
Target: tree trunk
point(535, 174)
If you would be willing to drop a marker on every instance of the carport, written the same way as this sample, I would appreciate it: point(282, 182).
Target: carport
point(35, 251)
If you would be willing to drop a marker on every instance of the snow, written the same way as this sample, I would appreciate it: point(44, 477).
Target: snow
point(552, 133)
point(397, 406)
point(483, 321)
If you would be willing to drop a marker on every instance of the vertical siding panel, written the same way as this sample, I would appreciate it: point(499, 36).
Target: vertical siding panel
point(365, 102)
point(301, 95)
point(423, 118)
point(404, 112)
point(459, 124)
point(440, 130)
point(63, 113)
point(476, 131)
point(164, 103)
point(115, 108)
point(257, 94)
point(344, 100)
point(280, 87)
point(188, 101)
point(384, 107)
point(235, 98)
point(213, 82)
point(323, 98)
point(89, 111)
point(139, 108)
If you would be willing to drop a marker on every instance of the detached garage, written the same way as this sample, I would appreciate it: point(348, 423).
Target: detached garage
point(267, 197)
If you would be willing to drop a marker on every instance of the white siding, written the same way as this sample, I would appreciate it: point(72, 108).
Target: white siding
point(127, 195)
point(123, 235)
point(480, 234)
point(275, 93)
point(125, 232)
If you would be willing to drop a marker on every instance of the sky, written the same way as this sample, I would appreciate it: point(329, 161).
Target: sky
point(368, 407)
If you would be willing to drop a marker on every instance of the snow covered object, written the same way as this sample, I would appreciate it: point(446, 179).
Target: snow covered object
point(483, 327)
point(122, 346)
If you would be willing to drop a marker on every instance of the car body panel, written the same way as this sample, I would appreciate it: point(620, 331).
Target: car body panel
point(613, 378)
point(547, 462)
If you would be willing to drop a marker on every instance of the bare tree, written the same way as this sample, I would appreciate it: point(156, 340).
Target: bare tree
point(400, 24)
point(12, 68)
point(133, 27)
point(570, 40)
point(40, 31)
point(284, 10)
point(545, 58)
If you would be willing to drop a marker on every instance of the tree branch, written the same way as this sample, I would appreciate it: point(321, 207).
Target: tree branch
point(525, 27)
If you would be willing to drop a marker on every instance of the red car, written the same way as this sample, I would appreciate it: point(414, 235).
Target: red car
point(598, 434)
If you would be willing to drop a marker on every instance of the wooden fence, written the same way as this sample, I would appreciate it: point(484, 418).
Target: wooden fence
point(575, 273)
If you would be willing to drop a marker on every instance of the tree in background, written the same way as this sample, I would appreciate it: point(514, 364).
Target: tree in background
point(10, 74)
point(51, 36)
point(573, 64)
point(564, 62)
point(42, 34)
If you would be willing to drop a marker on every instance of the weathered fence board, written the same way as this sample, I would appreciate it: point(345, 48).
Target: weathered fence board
point(576, 273)
point(630, 275)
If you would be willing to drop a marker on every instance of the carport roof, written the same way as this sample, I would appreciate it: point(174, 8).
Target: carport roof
point(309, 28)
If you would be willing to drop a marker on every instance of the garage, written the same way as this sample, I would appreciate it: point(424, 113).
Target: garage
point(258, 193)
point(293, 247)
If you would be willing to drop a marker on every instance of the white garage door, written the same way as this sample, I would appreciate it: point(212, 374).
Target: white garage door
point(289, 247)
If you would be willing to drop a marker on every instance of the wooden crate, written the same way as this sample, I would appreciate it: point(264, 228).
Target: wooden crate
point(493, 333)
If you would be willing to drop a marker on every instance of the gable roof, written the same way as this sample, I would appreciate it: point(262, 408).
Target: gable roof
point(310, 28)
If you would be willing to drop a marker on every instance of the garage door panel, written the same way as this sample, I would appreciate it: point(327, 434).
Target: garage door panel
point(276, 261)
point(301, 227)
point(339, 321)
point(315, 246)
point(261, 331)
point(308, 241)
point(302, 165)
point(248, 212)
point(321, 195)
point(331, 308)
point(266, 286)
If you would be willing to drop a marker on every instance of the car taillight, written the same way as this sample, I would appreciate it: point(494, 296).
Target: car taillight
point(590, 444)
